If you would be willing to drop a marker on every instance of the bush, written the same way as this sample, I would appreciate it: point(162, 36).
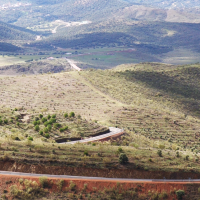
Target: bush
point(41, 132)
point(86, 153)
point(17, 124)
point(49, 116)
point(120, 150)
point(66, 115)
point(49, 127)
point(30, 138)
point(180, 194)
point(71, 114)
point(40, 116)
point(52, 121)
point(53, 116)
point(46, 124)
point(63, 129)
point(47, 135)
point(44, 119)
point(56, 125)
point(72, 185)
point(43, 181)
point(37, 118)
point(5, 121)
point(159, 152)
point(35, 123)
point(1, 121)
point(37, 128)
point(46, 130)
point(123, 159)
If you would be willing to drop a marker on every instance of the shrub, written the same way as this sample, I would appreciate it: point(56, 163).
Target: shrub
point(37, 128)
point(52, 121)
point(180, 194)
point(123, 159)
point(40, 116)
point(11, 120)
point(5, 121)
point(187, 157)
point(17, 124)
point(43, 181)
point(86, 153)
point(63, 129)
point(49, 127)
point(72, 185)
point(44, 119)
point(66, 115)
point(15, 109)
point(46, 130)
point(38, 122)
point(1, 121)
point(120, 150)
point(49, 116)
point(46, 123)
point(16, 118)
point(47, 135)
point(30, 138)
point(61, 184)
point(41, 132)
point(71, 114)
point(35, 123)
point(56, 125)
point(53, 116)
point(159, 152)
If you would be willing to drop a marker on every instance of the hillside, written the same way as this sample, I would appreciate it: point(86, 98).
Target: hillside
point(36, 67)
point(157, 105)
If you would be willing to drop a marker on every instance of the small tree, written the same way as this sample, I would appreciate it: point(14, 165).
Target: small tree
point(159, 152)
point(30, 138)
point(37, 128)
point(54, 116)
point(71, 114)
point(44, 119)
point(47, 135)
point(41, 116)
point(180, 194)
point(45, 130)
point(123, 159)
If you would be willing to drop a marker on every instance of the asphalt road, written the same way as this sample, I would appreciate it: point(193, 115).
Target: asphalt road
point(113, 132)
point(96, 178)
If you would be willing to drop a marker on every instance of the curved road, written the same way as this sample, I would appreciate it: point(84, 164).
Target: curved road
point(114, 132)
point(96, 178)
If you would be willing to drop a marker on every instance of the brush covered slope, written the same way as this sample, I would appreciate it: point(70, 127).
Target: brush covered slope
point(51, 65)
point(153, 102)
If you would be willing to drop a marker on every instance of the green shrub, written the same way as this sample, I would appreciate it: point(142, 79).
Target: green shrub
point(35, 123)
point(52, 121)
point(180, 194)
point(53, 116)
point(43, 181)
point(17, 124)
point(49, 116)
point(41, 132)
point(71, 114)
point(61, 184)
point(49, 127)
point(5, 121)
point(47, 135)
point(37, 118)
point(56, 125)
point(63, 129)
point(38, 122)
point(159, 152)
point(46, 124)
point(66, 115)
point(30, 138)
point(11, 120)
point(72, 185)
point(187, 157)
point(1, 121)
point(86, 153)
point(120, 150)
point(15, 109)
point(123, 159)
point(44, 119)
point(40, 116)
point(37, 128)
point(46, 130)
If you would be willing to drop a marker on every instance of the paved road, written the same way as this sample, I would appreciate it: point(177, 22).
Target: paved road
point(97, 178)
point(113, 132)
